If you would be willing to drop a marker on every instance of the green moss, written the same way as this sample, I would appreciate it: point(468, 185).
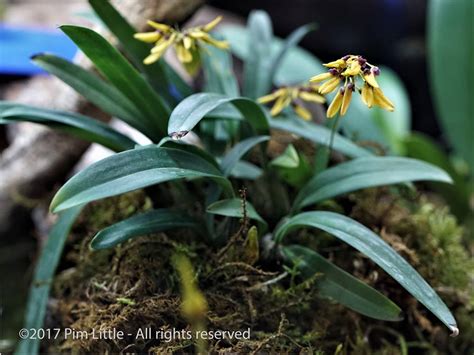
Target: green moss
point(284, 316)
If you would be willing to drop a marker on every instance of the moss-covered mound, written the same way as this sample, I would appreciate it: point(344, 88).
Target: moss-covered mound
point(135, 286)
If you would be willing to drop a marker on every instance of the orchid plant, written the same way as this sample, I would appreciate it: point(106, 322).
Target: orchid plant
point(233, 129)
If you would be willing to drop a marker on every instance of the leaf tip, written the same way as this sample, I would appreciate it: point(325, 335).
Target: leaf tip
point(95, 243)
point(37, 55)
point(454, 330)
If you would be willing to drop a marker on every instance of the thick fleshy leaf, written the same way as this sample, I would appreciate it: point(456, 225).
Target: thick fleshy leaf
point(318, 134)
point(149, 222)
point(378, 125)
point(123, 76)
point(296, 67)
point(78, 125)
point(258, 65)
point(422, 147)
point(246, 170)
point(238, 151)
point(132, 170)
point(377, 250)
point(450, 58)
point(42, 279)
point(193, 149)
point(93, 88)
point(233, 208)
point(341, 286)
point(364, 173)
point(292, 167)
point(160, 74)
point(219, 72)
point(291, 41)
point(219, 78)
point(193, 109)
point(288, 159)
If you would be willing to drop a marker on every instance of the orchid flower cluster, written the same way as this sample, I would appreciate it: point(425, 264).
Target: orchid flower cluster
point(234, 130)
point(345, 71)
point(187, 43)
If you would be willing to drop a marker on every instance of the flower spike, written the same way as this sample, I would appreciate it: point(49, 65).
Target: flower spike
point(293, 96)
point(187, 43)
point(348, 70)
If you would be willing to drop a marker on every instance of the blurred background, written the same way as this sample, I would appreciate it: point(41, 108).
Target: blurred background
point(424, 43)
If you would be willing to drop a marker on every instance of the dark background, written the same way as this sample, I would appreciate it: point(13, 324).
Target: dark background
point(388, 32)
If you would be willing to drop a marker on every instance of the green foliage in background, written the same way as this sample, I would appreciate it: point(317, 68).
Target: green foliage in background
point(233, 131)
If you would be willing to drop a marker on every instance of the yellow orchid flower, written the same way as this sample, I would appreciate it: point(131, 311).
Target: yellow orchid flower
point(187, 43)
point(335, 105)
point(347, 70)
point(294, 96)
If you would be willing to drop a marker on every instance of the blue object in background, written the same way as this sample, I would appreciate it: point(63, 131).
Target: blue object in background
point(18, 44)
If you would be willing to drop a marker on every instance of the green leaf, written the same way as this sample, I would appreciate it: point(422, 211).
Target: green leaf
point(94, 89)
point(193, 109)
point(233, 208)
point(132, 170)
point(80, 126)
point(420, 146)
point(364, 173)
point(291, 41)
point(288, 159)
point(169, 143)
point(238, 151)
point(149, 222)
point(450, 59)
point(297, 66)
point(218, 72)
point(123, 76)
point(377, 250)
point(389, 129)
point(246, 170)
point(43, 277)
point(317, 134)
point(258, 65)
point(341, 286)
point(160, 74)
point(292, 167)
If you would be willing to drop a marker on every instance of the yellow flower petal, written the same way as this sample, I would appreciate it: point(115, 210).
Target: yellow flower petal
point(367, 95)
point(270, 97)
point(329, 86)
point(353, 69)
point(280, 104)
point(162, 45)
point(187, 42)
point(382, 101)
point(197, 34)
point(214, 42)
point(312, 97)
point(335, 105)
point(193, 66)
point(302, 112)
point(152, 58)
point(340, 63)
point(370, 79)
point(149, 37)
point(210, 26)
point(159, 26)
point(346, 99)
point(183, 54)
point(320, 77)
